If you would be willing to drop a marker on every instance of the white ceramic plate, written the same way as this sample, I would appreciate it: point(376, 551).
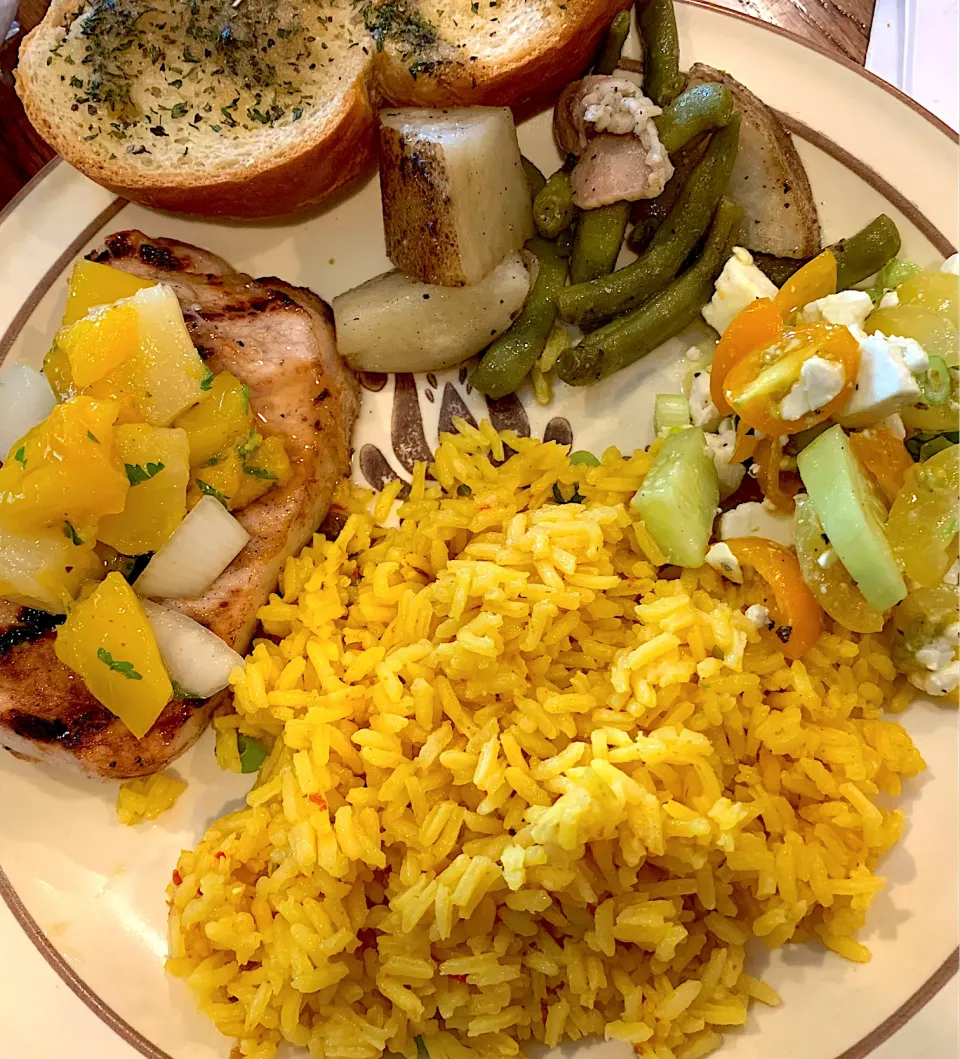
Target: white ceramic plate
point(90, 893)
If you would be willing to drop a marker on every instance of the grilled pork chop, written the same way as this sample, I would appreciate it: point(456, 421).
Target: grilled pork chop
point(279, 340)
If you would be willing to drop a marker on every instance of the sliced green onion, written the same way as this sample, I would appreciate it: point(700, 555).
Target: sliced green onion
point(252, 753)
point(936, 382)
point(584, 458)
point(671, 411)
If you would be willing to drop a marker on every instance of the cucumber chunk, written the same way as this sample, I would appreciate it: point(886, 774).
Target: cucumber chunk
point(852, 516)
point(671, 411)
point(679, 496)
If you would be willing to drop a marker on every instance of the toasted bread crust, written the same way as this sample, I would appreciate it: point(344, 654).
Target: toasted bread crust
point(524, 85)
point(326, 158)
point(274, 185)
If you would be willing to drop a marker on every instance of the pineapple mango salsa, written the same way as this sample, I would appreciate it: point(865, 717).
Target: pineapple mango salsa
point(143, 429)
point(108, 641)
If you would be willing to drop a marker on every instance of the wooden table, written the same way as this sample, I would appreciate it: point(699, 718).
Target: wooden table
point(840, 24)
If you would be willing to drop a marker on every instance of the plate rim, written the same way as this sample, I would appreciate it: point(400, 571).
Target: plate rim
point(950, 967)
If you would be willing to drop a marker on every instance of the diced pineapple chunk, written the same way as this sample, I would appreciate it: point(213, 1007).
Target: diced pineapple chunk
point(223, 416)
point(93, 284)
point(100, 342)
point(44, 568)
point(109, 642)
point(242, 473)
point(156, 462)
point(63, 473)
point(169, 367)
point(56, 367)
point(163, 377)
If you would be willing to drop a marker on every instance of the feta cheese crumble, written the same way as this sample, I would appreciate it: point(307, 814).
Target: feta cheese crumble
point(703, 412)
point(941, 659)
point(752, 519)
point(885, 381)
point(759, 615)
point(739, 284)
point(890, 300)
point(820, 381)
point(721, 446)
point(826, 559)
point(848, 308)
point(724, 562)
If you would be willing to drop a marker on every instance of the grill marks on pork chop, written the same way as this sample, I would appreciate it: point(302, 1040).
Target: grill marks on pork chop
point(279, 341)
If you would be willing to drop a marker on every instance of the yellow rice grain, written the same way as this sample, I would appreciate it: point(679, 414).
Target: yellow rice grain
point(521, 791)
point(147, 798)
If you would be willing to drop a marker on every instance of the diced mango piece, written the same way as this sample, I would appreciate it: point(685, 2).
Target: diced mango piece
point(242, 473)
point(64, 473)
point(266, 467)
point(45, 568)
point(156, 462)
point(56, 367)
point(163, 377)
point(100, 341)
point(93, 284)
point(223, 416)
point(220, 478)
point(108, 641)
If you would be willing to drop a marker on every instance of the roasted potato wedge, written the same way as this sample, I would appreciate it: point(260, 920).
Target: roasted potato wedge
point(769, 180)
point(396, 323)
point(455, 197)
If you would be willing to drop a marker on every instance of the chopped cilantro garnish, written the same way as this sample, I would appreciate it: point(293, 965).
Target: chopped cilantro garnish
point(260, 472)
point(207, 380)
point(93, 437)
point(245, 391)
point(71, 534)
point(20, 456)
point(181, 693)
point(125, 669)
point(136, 473)
point(250, 445)
point(208, 490)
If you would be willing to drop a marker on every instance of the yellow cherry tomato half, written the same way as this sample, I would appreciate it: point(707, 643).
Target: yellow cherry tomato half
point(801, 618)
point(757, 384)
point(884, 456)
point(816, 279)
point(757, 326)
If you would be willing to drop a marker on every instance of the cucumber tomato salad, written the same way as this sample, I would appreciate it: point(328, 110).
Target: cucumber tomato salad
point(819, 448)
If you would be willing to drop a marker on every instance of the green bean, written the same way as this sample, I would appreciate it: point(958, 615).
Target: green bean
point(535, 178)
point(662, 80)
point(590, 304)
point(507, 361)
point(564, 242)
point(633, 336)
point(597, 241)
point(695, 111)
point(778, 269)
point(866, 252)
point(553, 208)
point(649, 214)
point(613, 44)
